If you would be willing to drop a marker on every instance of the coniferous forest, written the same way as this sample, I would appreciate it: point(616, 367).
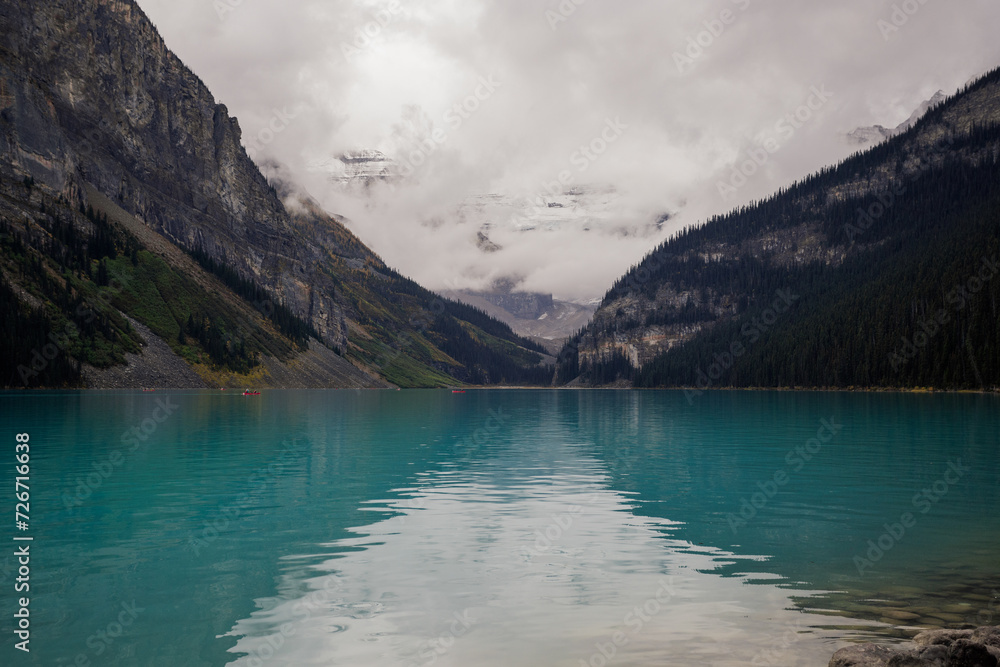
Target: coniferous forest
point(908, 296)
point(79, 273)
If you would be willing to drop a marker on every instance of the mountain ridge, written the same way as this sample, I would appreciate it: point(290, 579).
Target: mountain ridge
point(663, 322)
point(93, 101)
point(877, 133)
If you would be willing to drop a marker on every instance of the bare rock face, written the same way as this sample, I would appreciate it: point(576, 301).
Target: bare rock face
point(522, 305)
point(689, 285)
point(863, 655)
point(944, 637)
point(934, 648)
point(169, 155)
point(967, 653)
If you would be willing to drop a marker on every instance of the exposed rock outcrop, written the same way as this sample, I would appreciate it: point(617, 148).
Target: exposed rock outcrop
point(89, 92)
point(814, 232)
point(101, 124)
point(934, 648)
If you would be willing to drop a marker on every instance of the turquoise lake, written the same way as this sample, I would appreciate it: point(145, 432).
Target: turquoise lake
point(498, 527)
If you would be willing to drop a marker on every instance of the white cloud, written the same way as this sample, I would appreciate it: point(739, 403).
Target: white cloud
point(686, 131)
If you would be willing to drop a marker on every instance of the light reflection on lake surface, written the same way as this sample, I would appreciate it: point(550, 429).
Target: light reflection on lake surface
point(506, 527)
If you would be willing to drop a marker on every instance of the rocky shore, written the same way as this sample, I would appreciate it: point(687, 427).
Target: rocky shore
point(933, 648)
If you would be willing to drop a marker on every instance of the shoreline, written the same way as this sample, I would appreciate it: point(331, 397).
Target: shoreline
point(847, 390)
point(830, 390)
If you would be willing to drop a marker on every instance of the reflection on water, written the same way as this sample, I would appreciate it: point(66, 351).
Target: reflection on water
point(507, 527)
point(497, 564)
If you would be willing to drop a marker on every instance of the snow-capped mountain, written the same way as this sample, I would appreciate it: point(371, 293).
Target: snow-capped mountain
point(357, 168)
point(496, 236)
point(585, 208)
point(873, 134)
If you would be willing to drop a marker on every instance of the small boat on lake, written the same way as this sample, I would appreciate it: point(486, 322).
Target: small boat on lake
point(247, 392)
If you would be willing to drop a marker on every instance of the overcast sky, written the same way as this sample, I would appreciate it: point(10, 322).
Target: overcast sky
point(671, 96)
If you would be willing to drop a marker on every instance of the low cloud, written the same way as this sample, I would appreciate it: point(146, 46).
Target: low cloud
point(392, 75)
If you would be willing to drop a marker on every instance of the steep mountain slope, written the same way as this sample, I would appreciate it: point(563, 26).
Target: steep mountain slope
point(114, 158)
point(879, 272)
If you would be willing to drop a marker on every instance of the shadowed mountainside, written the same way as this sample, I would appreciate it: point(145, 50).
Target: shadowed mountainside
point(121, 177)
point(877, 272)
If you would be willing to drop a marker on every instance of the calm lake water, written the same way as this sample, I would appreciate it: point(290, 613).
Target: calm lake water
point(551, 528)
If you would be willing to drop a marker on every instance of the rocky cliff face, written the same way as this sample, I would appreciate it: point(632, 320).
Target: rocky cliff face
point(89, 92)
point(114, 157)
point(623, 323)
point(522, 305)
point(688, 286)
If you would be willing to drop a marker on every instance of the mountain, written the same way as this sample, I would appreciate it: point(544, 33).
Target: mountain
point(583, 208)
point(360, 168)
point(539, 317)
point(586, 208)
point(141, 245)
point(499, 234)
point(864, 136)
point(878, 272)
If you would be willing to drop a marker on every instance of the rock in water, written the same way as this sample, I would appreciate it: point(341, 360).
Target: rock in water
point(862, 655)
point(966, 653)
point(934, 648)
point(946, 637)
